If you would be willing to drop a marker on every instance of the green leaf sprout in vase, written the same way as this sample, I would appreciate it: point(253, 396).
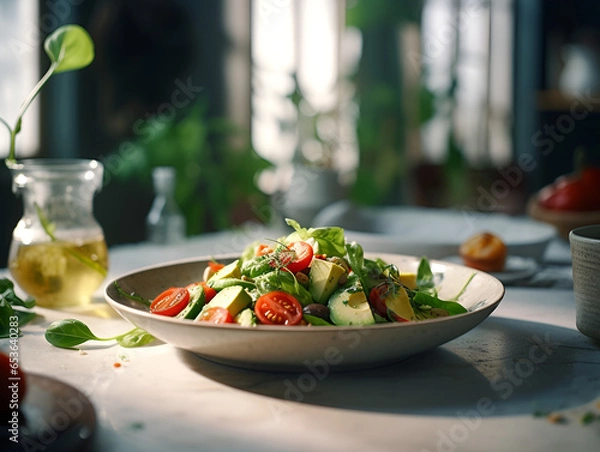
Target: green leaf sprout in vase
point(58, 253)
point(69, 48)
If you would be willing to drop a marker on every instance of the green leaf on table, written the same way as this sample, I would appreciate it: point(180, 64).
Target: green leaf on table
point(8, 299)
point(70, 47)
point(68, 333)
point(135, 338)
point(24, 317)
point(6, 312)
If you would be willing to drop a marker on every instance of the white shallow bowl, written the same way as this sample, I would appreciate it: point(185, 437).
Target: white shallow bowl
point(297, 348)
point(435, 233)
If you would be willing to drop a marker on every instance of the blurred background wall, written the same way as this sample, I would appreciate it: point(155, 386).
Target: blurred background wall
point(442, 103)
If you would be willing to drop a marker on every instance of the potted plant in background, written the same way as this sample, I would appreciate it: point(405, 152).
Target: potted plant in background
point(315, 180)
point(58, 253)
point(215, 165)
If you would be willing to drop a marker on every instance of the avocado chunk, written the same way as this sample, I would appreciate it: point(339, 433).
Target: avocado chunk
point(232, 298)
point(323, 279)
point(231, 270)
point(409, 280)
point(349, 306)
point(246, 317)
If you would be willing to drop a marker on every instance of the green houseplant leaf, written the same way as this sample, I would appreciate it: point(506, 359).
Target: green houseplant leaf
point(69, 48)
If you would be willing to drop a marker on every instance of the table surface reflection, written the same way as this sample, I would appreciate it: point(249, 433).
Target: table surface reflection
point(490, 389)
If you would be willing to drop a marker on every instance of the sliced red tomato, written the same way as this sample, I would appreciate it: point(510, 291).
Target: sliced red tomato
point(170, 302)
point(278, 308)
point(263, 249)
point(377, 297)
point(215, 266)
point(298, 257)
point(391, 301)
point(217, 315)
point(209, 292)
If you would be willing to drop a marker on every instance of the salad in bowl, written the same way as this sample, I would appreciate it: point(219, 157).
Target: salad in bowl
point(308, 297)
point(310, 277)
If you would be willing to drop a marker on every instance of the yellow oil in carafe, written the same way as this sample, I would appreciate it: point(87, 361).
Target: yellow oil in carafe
point(60, 273)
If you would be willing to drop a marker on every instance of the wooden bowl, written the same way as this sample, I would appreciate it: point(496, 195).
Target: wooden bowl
point(563, 220)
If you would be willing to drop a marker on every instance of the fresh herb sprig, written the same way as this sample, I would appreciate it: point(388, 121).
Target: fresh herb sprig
point(12, 306)
point(68, 333)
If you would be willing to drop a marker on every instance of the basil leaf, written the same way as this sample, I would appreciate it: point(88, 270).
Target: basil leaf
point(422, 298)
point(69, 333)
point(316, 321)
point(425, 275)
point(135, 338)
point(6, 312)
point(25, 316)
point(256, 266)
point(327, 240)
point(356, 259)
point(285, 281)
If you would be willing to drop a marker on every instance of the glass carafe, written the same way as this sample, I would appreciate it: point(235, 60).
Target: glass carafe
point(58, 253)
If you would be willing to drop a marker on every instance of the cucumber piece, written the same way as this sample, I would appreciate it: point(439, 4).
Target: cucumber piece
point(195, 305)
point(220, 284)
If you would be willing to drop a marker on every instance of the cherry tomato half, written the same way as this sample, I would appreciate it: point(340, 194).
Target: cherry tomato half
point(299, 256)
point(217, 315)
point(278, 308)
point(170, 302)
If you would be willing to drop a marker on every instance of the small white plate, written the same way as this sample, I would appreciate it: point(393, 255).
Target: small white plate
point(431, 232)
point(516, 268)
point(294, 348)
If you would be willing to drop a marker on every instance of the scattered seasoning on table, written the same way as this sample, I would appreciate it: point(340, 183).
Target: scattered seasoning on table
point(117, 364)
point(137, 425)
point(556, 418)
point(82, 352)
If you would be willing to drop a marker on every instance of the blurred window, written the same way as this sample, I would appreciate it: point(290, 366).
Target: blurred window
point(19, 71)
point(467, 60)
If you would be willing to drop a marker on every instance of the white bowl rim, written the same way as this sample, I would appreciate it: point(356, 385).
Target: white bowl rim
point(491, 305)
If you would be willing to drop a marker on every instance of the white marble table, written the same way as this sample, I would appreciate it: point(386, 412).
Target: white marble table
point(480, 392)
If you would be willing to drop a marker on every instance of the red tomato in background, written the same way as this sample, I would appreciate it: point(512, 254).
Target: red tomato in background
point(11, 370)
point(573, 193)
point(278, 308)
point(300, 256)
point(591, 177)
point(170, 302)
point(217, 315)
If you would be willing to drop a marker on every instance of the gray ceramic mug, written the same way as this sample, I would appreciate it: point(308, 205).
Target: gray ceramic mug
point(585, 254)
